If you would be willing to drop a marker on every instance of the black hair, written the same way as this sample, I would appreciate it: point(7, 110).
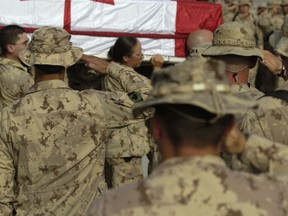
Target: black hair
point(49, 69)
point(188, 124)
point(9, 35)
point(122, 47)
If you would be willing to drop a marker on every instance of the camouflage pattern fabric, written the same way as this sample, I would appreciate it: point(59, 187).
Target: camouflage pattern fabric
point(205, 186)
point(252, 22)
point(124, 170)
point(14, 81)
point(253, 94)
point(132, 141)
point(269, 120)
point(51, 46)
point(52, 146)
point(270, 22)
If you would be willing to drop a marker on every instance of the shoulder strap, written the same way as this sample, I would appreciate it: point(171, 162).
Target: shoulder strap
point(281, 94)
point(235, 16)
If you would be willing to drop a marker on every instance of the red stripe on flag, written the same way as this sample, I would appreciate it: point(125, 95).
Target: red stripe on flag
point(192, 16)
point(67, 15)
point(105, 1)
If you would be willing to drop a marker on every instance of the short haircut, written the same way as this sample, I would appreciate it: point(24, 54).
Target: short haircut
point(122, 47)
point(9, 35)
point(188, 124)
point(50, 69)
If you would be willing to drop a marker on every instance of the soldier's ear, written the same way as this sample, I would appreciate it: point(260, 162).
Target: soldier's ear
point(125, 59)
point(10, 48)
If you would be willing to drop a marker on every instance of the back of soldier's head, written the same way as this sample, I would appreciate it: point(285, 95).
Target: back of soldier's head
point(198, 38)
point(198, 41)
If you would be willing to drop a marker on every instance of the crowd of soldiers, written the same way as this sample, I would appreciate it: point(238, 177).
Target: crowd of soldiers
point(73, 125)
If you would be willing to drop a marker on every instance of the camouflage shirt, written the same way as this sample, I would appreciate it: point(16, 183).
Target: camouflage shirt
point(269, 120)
point(205, 186)
point(133, 140)
point(51, 146)
point(249, 93)
point(14, 81)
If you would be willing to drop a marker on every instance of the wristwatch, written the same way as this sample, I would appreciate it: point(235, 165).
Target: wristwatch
point(282, 71)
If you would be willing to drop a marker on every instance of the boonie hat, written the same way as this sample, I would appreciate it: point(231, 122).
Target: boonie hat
point(273, 3)
point(244, 2)
point(199, 82)
point(51, 46)
point(284, 2)
point(233, 38)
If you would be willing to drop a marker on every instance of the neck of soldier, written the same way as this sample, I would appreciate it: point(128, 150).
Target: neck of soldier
point(168, 150)
point(41, 76)
point(241, 77)
point(12, 57)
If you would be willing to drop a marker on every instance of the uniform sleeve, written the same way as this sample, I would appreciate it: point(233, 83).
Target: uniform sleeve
point(252, 123)
point(14, 87)
point(7, 173)
point(266, 155)
point(97, 207)
point(126, 80)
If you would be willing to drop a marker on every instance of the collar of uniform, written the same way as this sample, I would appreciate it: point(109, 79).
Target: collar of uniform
point(169, 179)
point(7, 61)
point(49, 84)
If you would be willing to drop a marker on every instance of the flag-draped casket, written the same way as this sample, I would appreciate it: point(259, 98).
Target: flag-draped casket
point(162, 26)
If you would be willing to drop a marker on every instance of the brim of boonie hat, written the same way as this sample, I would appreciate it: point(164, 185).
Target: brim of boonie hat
point(64, 59)
point(231, 50)
point(275, 37)
point(230, 104)
point(249, 4)
point(282, 47)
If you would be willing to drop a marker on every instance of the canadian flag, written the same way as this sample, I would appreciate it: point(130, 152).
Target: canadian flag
point(162, 26)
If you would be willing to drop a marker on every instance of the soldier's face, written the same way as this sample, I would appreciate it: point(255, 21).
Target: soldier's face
point(285, 9)
point(136, 58)
point(20, 45)
point(244, 9)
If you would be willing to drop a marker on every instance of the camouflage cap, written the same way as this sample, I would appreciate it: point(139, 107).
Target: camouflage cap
point(51, 46)
point(277, 35)
point(262, 5)
point(233, 38)
point(199, 82)
point(284, 2)
point(273, 3)
point(244, 2)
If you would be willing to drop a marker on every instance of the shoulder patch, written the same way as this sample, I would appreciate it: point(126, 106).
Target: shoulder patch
point(135, 96)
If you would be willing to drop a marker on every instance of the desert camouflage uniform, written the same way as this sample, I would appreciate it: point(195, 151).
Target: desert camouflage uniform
point(270, 22)
point(205, 186)
point(14, 81)
point(51, 145)
point(126, 146)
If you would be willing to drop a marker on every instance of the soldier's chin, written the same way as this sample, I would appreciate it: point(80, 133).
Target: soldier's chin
point(139, 64)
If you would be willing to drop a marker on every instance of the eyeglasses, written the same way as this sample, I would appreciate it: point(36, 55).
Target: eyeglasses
point(25, 43)
point(139, 54)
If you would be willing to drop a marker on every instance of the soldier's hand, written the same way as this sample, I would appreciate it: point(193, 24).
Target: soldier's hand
point(272, 62)
point(157, 61)
point(95, 63)
point(235, 141)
